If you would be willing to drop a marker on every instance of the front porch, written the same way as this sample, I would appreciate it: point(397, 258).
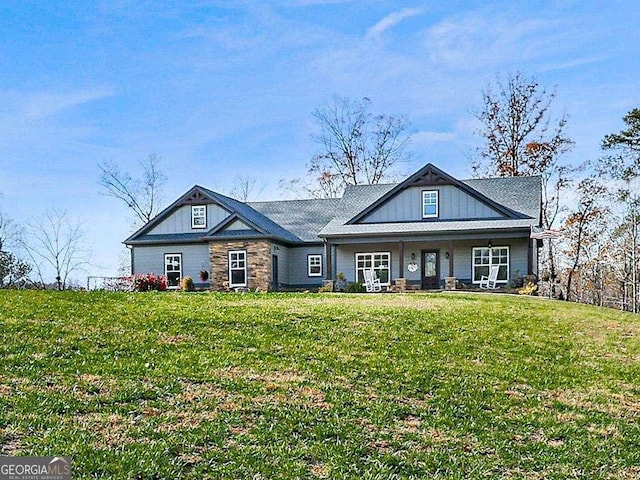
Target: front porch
point(427, 264)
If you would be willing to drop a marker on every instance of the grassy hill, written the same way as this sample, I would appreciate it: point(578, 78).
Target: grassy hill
point(455, 386)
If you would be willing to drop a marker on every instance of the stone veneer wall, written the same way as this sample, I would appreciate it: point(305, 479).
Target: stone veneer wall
point(258, 263)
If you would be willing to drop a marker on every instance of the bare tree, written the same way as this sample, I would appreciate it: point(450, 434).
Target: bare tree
point(523, 140)
point(326, 185)
point(143, 194)
point(246, 188)
point(56, 241)
point(9, 233)
point(623, 166)
point(356, 147)
point(585, 225)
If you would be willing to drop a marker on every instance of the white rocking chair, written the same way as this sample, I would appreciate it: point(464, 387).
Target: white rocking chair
point(491, 281)
point(371, 282)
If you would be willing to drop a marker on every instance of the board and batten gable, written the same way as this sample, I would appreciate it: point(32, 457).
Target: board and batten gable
point(180, 220)
point(453, 204)
point(237, 225)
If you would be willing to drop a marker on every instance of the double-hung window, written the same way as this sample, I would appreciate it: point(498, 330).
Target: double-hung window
point(314, 265)
point(430, 204)
point(380, 262)
point(237, 268)
point(199, 216)
point(484, 258)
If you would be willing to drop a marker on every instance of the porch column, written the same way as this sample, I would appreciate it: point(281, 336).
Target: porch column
point(530, 257)
point(327, 257)
point(451, 274)
point(401, 259)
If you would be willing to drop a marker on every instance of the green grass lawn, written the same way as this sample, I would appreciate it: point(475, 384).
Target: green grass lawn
point(455, 386)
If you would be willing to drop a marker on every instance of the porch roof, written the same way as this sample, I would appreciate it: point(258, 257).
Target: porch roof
point(364, 229)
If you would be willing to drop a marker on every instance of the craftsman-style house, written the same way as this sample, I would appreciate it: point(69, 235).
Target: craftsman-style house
point(424, 229)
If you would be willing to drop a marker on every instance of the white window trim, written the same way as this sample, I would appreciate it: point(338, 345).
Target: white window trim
point(316, 257)
point(231, 284)
point(194, 209)
point(424, 194)
point(371, 254)
point(473, 265)
point(179, 255)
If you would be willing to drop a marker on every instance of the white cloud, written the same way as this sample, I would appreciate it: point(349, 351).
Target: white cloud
point(391, 21)
point(486, 41)
point(44, 104)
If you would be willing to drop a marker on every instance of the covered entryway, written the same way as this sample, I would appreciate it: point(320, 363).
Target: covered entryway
point(430, 269)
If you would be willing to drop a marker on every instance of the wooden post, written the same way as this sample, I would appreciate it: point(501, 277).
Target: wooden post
point(530, 257)
point(400, 259)
point(451, 274)
point(327, 257)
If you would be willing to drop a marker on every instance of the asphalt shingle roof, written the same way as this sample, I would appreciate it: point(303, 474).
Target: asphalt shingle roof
point(258, 219)
point(522, 194)
point(300, 221)
point(303, 218)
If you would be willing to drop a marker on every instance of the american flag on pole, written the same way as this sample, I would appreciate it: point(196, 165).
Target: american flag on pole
point(542, 233)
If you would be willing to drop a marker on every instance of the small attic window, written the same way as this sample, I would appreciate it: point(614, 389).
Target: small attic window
point(430, 204)
point(199, 216)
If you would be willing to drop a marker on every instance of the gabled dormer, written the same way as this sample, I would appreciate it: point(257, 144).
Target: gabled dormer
point(431, 195)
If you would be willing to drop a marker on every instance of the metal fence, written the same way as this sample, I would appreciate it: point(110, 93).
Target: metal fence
point(110, 284)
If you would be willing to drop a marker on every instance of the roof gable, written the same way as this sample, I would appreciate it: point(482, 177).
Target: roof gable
point(196, 195)
point(257, 223)
point(236, 225)
point(432, 176)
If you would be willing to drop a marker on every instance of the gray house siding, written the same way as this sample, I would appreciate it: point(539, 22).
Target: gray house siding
point(298, 273)
point(238, 225)
point(283, 255)
point(150, 259)
point(180, 220)
point(453, 204)
point(292, 262)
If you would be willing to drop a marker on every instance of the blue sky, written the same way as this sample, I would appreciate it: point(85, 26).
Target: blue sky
point(218, 88)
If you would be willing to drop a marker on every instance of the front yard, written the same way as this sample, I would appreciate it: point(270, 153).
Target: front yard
point(456, 386)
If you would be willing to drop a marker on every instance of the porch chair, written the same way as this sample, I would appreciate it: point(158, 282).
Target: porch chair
point(491, 281)
point(371, 282)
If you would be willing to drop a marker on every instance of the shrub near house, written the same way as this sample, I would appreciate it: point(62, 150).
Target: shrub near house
point(149, 282)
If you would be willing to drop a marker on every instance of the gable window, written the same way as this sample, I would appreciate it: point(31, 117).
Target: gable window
point(314, 265)
point(484, 258)
point(237, 268)
point(199, 216)
point(173, 269)
point(430, 204)
point(380, 262)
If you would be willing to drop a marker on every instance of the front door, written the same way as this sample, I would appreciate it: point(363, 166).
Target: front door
point(430, 269)
point(274, 272)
